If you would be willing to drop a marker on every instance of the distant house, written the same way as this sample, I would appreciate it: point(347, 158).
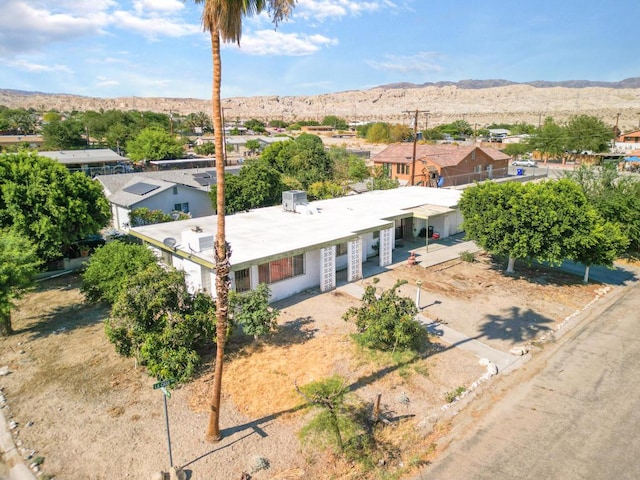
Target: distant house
point(628, 141)
point(101, 161)
point(185, 191)
point(441, 165)
point(34, 141)
point(498, 134)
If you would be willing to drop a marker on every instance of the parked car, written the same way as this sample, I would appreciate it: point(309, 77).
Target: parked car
point(524, 163)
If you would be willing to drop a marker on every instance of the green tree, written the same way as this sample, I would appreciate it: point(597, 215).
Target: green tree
point(335, 122)
point(153, 143)
point(255, 125)
point(324, 190)
point(252, 311)
point(616, 198)
point(602, 246)
point(253, 145)
point(400, 133)
point(205, 149)
point(145, 216)
point(346, 166)
point(588, 133)
point(223, 20)
point(156, 320)
point(378, 133)
point(256, 185)
point(19, 264)
point(46, 203)
point(381, 180)
point(517, 149)
point(550, 139)
point(330, 397)
point(387, 321)
point(110, 268)
point(63, 135)
point(544, 221)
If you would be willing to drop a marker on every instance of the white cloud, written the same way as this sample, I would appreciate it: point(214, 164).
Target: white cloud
point(271, 42)
point(420, 62)
point(162, 6)
point(323, 9)
point(24, 27)
point(29, 66)
point(154, 27)
point(105, 82)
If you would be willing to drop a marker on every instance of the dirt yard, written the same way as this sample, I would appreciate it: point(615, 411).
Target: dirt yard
point(91, 414)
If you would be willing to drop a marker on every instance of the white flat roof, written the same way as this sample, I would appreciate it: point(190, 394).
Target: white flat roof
point(268, 233)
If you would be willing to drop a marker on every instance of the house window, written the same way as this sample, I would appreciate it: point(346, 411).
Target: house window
point(477, 168)
point(205, 278)
point(181, 207)
point(282, 269)
point(402, 169)
point(341, 249)
point(175, 190)
point(243, 280)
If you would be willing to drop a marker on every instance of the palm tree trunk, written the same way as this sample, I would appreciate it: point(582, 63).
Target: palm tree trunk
point(222, 253)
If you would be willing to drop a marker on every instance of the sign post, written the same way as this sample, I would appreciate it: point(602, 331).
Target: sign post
point(163, 387)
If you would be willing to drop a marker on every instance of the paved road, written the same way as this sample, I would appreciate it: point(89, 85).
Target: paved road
point(578, 418)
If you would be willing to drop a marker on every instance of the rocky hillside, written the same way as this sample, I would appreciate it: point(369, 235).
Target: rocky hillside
point(478, 102)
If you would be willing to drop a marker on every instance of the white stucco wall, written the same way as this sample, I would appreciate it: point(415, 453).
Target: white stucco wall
point(198, 200)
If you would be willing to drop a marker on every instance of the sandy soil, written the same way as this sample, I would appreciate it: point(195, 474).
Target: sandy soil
point(93, 415)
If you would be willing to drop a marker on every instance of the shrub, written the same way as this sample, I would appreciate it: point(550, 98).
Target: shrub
point(387, 322)
point(467, 256)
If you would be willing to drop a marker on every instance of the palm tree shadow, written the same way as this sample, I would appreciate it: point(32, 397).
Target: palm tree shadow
point(255, 427)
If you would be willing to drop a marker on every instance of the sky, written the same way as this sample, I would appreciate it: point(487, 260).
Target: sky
point(157, 48)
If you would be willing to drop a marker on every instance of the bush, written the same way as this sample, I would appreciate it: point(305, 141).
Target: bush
point(156, 320)
point(387, 322)
point(467, 256)
point(111, 266)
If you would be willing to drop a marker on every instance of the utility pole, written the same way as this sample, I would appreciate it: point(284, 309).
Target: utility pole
point(415, 143)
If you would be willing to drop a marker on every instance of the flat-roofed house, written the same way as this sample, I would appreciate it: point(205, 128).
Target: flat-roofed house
point(300, 244)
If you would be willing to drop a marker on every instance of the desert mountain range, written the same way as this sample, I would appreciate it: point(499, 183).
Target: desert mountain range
point(480, 102)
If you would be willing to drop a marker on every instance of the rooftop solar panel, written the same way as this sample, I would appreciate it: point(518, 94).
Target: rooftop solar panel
point(140, 188)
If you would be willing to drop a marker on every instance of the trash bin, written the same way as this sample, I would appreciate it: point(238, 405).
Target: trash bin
point(520, 171)
point(430, 231)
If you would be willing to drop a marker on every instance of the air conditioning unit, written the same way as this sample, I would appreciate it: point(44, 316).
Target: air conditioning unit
point(293, 198)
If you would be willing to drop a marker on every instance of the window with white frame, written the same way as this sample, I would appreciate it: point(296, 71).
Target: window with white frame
point(282, 269)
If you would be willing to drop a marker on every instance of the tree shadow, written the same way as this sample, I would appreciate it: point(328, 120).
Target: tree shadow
point(294, 332)
point(255, 427)
point(64, 320)
point(516, 325)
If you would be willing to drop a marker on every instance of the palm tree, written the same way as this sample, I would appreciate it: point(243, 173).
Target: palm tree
point(223, 20)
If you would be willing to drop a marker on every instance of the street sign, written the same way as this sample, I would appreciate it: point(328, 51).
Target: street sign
point(162, 384)
point(166, 392)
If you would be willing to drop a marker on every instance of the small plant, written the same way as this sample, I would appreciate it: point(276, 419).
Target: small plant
point(260, 463)
point(450, 397)
point(467, 256)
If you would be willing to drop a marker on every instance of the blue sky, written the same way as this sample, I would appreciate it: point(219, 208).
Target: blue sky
point(147, 48)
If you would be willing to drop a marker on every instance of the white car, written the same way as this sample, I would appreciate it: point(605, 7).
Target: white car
point(524, 163)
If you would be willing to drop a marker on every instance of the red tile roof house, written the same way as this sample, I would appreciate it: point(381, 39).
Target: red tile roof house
point(442, 165)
